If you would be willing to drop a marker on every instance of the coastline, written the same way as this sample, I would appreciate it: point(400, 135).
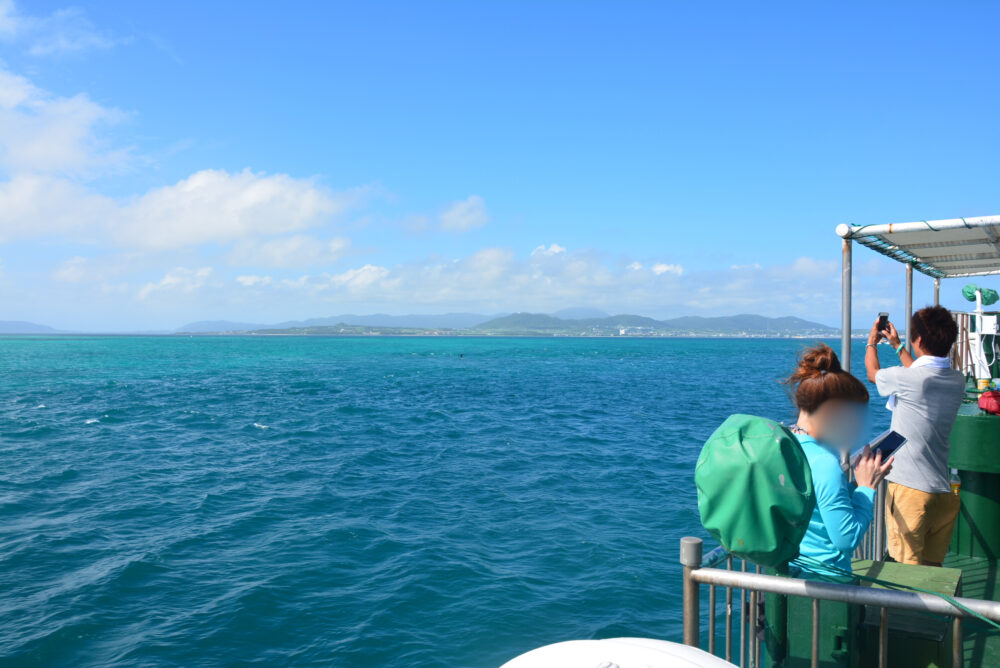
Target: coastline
point(426, 335)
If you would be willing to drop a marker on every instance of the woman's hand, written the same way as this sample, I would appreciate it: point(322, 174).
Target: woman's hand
point(870, 469)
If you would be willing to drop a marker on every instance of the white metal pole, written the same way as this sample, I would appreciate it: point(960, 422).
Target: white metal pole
point(846, 231)
point(909, 307)
point(980, 366)
point(845, 306)
point(937, 292)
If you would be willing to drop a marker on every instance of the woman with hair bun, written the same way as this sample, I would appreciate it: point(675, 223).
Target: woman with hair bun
point(832, 406)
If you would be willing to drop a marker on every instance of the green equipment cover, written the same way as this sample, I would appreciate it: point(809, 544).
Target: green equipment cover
point(990, 296)
point(755, 490)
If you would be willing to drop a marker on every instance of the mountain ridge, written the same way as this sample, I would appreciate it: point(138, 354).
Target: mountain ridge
point(24, 327)
point(410, 321)
point(741, 323)
point(591, 322)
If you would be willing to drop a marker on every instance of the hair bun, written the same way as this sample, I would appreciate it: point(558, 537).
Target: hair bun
point(817, 361)
point(827, 380)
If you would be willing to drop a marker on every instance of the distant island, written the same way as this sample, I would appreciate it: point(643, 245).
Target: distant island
point(535, 324)
point(21, 327)
point(575, 322)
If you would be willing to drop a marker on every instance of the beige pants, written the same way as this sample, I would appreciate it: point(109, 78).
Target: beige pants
point(918, 524)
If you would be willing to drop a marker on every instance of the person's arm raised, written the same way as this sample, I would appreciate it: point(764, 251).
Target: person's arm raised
point(871, 352)
point(892, 336)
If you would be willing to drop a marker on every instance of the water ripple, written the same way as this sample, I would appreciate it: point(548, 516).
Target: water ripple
point(207, 501)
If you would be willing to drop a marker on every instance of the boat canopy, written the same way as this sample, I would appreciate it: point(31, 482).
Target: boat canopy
point(950, 248)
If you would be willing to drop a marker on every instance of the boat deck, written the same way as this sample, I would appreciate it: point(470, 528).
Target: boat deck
point(980, 579)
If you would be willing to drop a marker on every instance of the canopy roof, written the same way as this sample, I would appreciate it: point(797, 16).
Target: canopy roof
point(939, 248)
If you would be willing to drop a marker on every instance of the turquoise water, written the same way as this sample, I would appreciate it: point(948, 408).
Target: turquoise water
point(352, 502)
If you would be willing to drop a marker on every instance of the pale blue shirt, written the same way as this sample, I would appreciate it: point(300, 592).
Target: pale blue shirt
point(842, 513)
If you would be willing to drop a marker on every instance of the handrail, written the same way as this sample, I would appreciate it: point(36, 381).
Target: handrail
point(846, 593)
point(699, 571)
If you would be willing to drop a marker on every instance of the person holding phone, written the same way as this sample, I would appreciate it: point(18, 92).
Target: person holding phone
point(832, 405)
point(925, 394)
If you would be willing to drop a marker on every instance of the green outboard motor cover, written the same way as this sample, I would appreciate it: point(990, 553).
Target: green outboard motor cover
point(755, 489)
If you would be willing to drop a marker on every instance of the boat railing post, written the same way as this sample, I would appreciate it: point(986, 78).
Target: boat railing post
point(883, 638)
point(751, 634)
point(845, 302)
point(957, 648)
point(878, 525)
point(758, 620)
point(691, 548)
point(815, 634)
point(845, 305)
point(744, 613)
point(909, 306)
point(729, 614)
point(711, 619)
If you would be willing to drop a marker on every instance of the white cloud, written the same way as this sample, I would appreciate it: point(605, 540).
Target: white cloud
point(660, 269)
point(355, 279)
point(47, 142)
point(215, 206)
point(491, 280)
point(251, 281)
point(210, 206)
point(813, 268)
point(495, 279)
point(42, 206)
point(43, 133)
point(553, 249)
point(16, 91)
point(8, 22)
point(177, 280)
point(467, 214)
point(415, 223)
point(294, 251)
point(73, 270)
point(104, 270)
point(63, 31)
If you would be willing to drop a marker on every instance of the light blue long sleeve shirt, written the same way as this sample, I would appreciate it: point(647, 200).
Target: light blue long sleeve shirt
point(842, 513)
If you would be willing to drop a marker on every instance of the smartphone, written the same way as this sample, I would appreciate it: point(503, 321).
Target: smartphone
point(883, 321)
point(887, 443)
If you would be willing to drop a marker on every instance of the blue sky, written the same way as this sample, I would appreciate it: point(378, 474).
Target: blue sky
point(168, 162)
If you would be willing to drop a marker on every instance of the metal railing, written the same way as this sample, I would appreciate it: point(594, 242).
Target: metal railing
point(873, 545)
point(969, 355)
point(752, 584)
point(748, 649)
point(962, 357)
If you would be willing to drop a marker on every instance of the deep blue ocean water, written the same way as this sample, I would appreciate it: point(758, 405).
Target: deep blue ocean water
point(169, 501)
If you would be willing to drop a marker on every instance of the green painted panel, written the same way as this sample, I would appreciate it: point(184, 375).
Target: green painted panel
point(977, 529)
point(975, 444)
